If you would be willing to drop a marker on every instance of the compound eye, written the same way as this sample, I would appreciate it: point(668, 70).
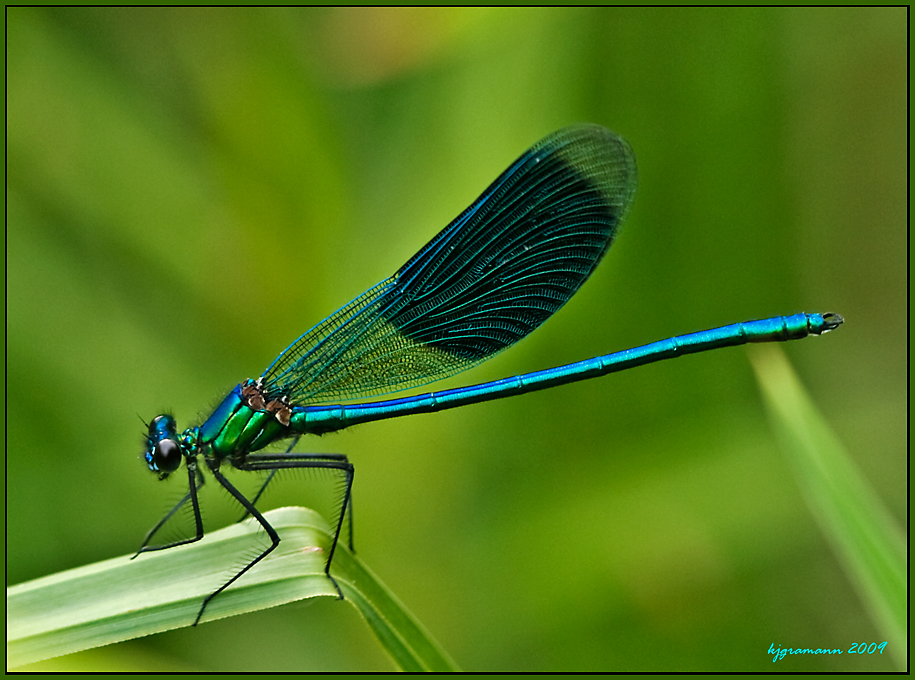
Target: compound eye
point(167, 456)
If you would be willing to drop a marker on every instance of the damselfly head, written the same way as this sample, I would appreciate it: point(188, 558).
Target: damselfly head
point(163, 452)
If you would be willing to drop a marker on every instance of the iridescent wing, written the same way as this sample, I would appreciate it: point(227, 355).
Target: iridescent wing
point(489, 278)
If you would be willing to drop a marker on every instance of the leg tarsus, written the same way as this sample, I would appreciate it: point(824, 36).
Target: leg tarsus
point(195, 482)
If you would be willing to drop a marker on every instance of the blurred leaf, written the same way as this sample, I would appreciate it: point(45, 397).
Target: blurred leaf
point(121, 599)
point(863, 535)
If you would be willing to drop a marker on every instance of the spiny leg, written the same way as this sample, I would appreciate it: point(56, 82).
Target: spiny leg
point(274, 537)
point(195, 482)
point(278, 461)
point(260, 493)
point(269, 479)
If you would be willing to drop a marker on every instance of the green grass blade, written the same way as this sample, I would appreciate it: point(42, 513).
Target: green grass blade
point(121, 599)
point(404, 638)
point(869, 544)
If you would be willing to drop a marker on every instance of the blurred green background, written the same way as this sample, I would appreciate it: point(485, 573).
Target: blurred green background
point(188, 190)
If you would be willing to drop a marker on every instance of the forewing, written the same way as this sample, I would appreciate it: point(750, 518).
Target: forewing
point(489, 278)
